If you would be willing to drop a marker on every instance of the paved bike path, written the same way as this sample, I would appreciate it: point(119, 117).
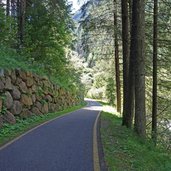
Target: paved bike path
point(64, 144)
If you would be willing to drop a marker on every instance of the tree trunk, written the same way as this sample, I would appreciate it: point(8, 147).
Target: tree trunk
point(131, 86)
point(21, 7)
point(117, 70)
point(18, 22)
point(23, 11)
point(130, 14)
point(137, 55)
point(13, 8)
point(125, 51)
point(154, 108)
point(7, 7)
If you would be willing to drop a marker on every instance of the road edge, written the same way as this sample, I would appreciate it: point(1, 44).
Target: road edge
point(96, 160)
point(36, 127)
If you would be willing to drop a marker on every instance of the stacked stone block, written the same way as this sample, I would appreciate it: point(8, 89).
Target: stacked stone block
point(23, 94)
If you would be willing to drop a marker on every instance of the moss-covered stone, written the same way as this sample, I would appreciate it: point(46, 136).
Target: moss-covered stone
point(8, 100)
point(16, 108)
point(26, 100)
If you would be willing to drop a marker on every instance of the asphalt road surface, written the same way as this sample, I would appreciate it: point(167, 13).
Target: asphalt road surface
point(64, 144)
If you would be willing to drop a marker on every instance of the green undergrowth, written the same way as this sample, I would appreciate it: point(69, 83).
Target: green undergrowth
point(10, 59)
point(9, 132)
point(124, 151)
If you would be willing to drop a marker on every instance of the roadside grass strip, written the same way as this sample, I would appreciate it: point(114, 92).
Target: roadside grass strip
point(10, 132)
point(124, 151)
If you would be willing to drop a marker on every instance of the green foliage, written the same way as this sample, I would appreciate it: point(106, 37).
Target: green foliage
point(96, 45)
point(46, 39)
point(4, 109)
point(110, 93)
point(7, 29)
point(164, 70)
point(96, 93)
point(103, 84)
point(125, 151)
point(70, 80)
point(47, 35)
point(10, 59)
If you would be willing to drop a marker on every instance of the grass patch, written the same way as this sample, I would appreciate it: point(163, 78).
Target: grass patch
point(124, 151)
point(10, 59)
point(9, 132)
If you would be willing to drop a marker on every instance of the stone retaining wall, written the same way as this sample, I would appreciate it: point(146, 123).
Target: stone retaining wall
point(24, 94)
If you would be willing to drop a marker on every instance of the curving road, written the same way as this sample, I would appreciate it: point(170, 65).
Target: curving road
point(64, 144)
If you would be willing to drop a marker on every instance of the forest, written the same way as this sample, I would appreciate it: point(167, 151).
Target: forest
point(128, 58)
point(117, 51)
